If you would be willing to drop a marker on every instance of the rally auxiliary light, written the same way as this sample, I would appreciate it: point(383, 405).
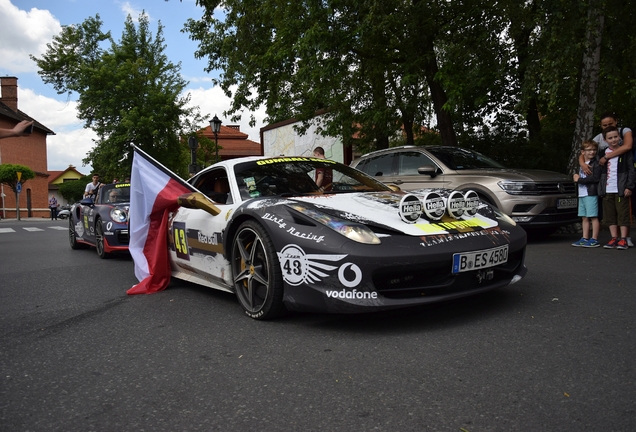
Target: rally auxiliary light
point(410, 208)
point(455, 204)
point(433, 206)
point(472, 202)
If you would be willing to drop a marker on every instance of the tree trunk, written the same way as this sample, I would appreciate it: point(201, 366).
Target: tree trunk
point(444, 121)
point(589, 82)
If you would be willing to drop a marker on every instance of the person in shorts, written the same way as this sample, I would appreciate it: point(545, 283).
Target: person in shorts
point(588, 195)
point(618, 180)
point(609, 119)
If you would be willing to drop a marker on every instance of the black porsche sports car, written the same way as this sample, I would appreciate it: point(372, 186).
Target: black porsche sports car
point(101, 222)
point(277, 240)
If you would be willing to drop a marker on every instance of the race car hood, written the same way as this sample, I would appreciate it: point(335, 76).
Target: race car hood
point(382, 209)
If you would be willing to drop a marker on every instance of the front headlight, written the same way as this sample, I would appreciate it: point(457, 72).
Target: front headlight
point(118, 215)
point(351, 230)
point(519, 188)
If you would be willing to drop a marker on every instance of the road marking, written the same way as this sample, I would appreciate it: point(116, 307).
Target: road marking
point(32, 229)
point(59, 228)
point(6, 230)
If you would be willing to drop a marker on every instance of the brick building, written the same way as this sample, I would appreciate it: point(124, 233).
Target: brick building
point(233, 143)
point(29, 151)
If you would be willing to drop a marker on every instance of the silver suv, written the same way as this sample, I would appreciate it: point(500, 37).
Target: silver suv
point(533, 198)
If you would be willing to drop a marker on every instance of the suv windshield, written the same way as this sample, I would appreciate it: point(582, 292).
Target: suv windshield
point(297, 176)
point(462, 159)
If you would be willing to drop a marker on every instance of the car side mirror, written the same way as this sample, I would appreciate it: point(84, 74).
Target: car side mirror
point(87, 202)
point(428, 170)
point(197, 200)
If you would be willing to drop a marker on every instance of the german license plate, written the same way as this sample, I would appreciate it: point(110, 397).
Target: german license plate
point(567, 203)
point(468, 261)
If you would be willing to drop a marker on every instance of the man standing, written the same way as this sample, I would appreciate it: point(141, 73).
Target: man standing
point(324, 176)
point(53, 205)
point(93, 187)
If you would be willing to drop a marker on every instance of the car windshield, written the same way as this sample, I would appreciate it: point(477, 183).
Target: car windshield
point(114, 193)
point(289, 176)
point(457, 158)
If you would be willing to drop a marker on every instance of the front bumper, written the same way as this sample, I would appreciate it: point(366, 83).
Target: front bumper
point(406, 271)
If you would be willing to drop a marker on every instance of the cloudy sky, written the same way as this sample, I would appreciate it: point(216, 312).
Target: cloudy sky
point(26, 26)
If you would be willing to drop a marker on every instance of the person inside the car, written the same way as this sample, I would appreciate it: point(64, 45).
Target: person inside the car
point(112, 196)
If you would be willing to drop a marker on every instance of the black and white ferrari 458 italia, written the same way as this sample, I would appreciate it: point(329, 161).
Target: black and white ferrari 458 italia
point(277, 240)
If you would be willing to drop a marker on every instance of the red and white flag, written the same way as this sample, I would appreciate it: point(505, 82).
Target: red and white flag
point(154, 190)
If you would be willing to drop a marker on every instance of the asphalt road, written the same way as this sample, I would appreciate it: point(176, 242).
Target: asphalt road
point(554, 352)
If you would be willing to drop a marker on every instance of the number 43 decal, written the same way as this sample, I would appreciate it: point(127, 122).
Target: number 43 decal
point(180, 240)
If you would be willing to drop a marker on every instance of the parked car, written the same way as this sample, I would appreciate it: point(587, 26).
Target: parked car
point(102, 222)
point(64, 211)
point(535, 199)
point(265, 231)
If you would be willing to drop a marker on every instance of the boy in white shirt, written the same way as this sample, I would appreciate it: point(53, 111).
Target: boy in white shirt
point(617, 183)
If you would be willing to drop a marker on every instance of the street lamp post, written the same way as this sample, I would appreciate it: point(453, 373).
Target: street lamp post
point(193, 143)
point(215, 125)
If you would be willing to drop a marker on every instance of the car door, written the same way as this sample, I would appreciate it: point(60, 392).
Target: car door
point(196, 236)
point(407, 176)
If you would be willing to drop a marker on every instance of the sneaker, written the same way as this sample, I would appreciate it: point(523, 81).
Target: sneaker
point(629, 242)
point(591, 243)
point(580, 242)
point(611, 244)
point(622, 244)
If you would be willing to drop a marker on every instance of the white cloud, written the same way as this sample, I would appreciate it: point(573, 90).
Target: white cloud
point(213, 101)
point(71, 141)
point(134, 12)
point(24, 33)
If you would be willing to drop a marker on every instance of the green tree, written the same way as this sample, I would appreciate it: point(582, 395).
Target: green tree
point(369, 66)
point(73, 191)
point(9, 176)
point(128, 92)
point(504, 77)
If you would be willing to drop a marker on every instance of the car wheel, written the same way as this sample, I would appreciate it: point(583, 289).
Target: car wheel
point(256, 272)
point(72, 236)
point(99, 240)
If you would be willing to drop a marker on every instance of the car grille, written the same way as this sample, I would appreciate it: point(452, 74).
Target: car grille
point(437, 280)
point(555, 188)
point(122, 237)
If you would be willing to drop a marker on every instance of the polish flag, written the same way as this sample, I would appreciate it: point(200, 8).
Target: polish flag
point(154, 190)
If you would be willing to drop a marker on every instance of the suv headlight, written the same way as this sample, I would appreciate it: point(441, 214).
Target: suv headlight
point(519, 188)
point(118, 215)
point(351, 230)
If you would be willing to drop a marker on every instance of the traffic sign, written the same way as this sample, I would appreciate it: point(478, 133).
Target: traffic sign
point(18, 187)
point(19, 174)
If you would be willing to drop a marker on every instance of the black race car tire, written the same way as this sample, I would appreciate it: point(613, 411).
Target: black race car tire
point(256, 272)
point(99, 240)
point(72, 237)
